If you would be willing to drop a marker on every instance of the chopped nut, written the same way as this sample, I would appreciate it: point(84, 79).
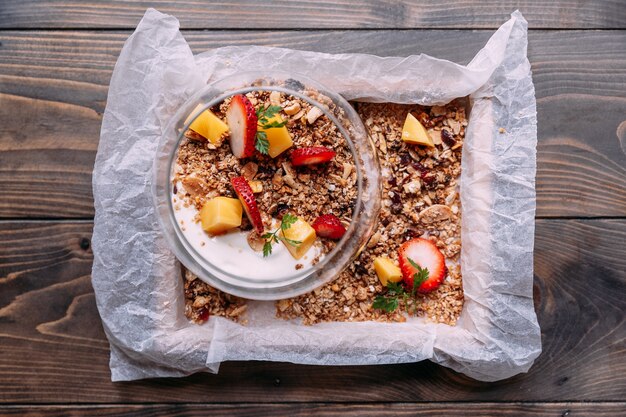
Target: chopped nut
point(292, 109)
point(455, 126)
point(275, 98)
point(195, 185)
point(290, 181)
point(374, 240)
point(435, 135)
point(200, 302)
point(313, 115)
point(347, 169)
point(256, 186)
point(435, 213)
point(249, 170)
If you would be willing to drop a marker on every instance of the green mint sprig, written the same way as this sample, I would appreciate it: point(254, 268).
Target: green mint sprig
point(273, 237)
point(397, 295)
point(263, 116)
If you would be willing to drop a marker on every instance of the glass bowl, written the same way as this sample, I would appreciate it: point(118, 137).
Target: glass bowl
point(365, 210)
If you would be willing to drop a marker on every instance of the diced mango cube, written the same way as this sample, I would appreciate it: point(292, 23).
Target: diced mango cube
point(415, 133)
point(278, 137)
point(387, 271)
point(220, 214)
point(208, 125)
point(299, 231)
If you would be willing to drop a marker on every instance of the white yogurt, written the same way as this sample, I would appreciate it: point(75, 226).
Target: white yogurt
point(232, 253)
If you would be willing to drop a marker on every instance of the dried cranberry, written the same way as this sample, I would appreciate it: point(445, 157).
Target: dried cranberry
point(392, 181)
point(430, 181)
point(203, 314)
point(420, 168)
point(447, 138)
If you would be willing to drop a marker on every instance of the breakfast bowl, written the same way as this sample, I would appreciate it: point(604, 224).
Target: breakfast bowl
point(266, 185)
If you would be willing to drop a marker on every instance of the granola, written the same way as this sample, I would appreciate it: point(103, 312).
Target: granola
point(419, 199)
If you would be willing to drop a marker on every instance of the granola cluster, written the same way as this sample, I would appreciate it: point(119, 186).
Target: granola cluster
point(420, 199)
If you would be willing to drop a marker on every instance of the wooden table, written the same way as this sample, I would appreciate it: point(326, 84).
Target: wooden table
point(56, 59)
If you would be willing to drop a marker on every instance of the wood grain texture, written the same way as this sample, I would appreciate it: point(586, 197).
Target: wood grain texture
point(52, 348)
point(53, 91)
point(314, 14)
point(325, 410)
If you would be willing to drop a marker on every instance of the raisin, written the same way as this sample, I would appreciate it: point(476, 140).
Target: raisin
point(396, 208)
point(265, 172)
point(360, 269)
point(447, 138)
point(281, 210)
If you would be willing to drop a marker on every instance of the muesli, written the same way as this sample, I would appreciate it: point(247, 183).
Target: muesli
point(410, 265)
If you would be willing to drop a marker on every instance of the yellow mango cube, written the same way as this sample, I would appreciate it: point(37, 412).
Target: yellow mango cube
point(299, 231)
point(208, 125)
point(278, 137)
point(387, 271)
point(220, 214)
point(414, 132)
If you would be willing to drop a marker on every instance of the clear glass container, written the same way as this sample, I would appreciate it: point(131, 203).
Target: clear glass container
point(365, 211)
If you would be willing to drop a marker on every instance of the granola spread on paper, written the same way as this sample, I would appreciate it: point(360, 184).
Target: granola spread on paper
point(420, 200)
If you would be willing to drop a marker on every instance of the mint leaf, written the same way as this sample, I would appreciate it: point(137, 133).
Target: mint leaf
point(419, 277)
point(262, 144)
point(387, 304)
point(271, 111)
point(395, 287)
point(288, 220)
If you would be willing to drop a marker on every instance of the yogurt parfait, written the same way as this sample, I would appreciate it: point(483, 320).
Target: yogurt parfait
point(264, 185)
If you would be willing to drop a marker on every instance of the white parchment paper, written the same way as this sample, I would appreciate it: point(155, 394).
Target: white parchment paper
point(137, 280)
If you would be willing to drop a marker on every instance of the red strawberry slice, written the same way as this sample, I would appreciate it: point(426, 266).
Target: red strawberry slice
point(311, 155)
point(425, 254)
point(242, 122)
point(246, 196)
point(328, 225)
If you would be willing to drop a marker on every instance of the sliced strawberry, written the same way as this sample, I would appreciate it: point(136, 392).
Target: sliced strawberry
point(242, 122)
point(425, 254)
point(246, 196)
point(328, 225)
point(311, 155)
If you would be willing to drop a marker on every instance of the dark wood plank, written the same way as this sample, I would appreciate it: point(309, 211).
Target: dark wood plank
point(266, 14)
point(52, 348)
point(327, 410)
point(53, 89)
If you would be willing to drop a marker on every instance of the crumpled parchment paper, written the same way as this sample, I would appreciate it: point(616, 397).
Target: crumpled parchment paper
point(137, 280)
